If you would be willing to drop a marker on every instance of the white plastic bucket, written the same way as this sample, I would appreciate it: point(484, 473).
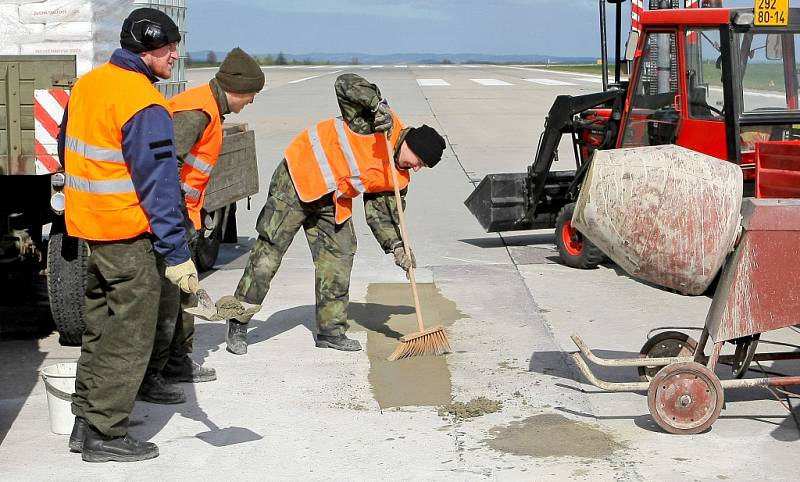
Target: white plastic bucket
point(59, 382)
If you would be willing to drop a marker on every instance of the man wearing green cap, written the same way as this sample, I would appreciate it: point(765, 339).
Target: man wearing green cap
point(198, 117)
point(324, 168)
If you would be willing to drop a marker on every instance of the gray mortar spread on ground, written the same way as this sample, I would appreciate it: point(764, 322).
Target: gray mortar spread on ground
point(229, 307)
point(474, 408)
point(552, 435)
point(387, 315)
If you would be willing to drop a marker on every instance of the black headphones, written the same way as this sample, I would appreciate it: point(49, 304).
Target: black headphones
point(152, 35)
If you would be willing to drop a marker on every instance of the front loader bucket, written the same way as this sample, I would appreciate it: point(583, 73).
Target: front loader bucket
point(499, 204)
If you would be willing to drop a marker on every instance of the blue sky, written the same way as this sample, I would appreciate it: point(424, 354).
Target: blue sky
point(547, 27)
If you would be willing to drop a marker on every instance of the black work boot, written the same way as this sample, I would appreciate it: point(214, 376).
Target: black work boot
point(338, 342)
point(155, 389)
point(77, 435)
point(183, 369)
point(236, 337)
point(102, 448)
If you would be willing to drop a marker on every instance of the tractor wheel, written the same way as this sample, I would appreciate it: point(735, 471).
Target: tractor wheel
point(67, 258)
point(575, 250)
point(206, 248)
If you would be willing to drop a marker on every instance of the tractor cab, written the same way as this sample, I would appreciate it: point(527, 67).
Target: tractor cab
point(713, 81)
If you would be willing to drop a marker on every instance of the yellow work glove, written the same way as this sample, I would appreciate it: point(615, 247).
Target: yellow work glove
point(180, 273)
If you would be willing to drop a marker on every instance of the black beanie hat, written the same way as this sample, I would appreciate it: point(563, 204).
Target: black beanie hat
point(147, 29)
point(426, 143)
point(240, 73)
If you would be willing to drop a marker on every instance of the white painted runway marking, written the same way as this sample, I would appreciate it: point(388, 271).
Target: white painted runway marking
point(312, 77)
point(490, 82)
point(593, 80)
point(432, 83)
point(548, 82)
point(400, 66)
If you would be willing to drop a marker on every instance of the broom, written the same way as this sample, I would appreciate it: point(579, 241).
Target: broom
point(424, 342)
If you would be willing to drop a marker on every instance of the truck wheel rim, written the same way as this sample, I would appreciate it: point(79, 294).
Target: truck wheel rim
point(572, 238)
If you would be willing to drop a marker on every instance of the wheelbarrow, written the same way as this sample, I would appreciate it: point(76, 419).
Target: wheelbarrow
point(756, 292)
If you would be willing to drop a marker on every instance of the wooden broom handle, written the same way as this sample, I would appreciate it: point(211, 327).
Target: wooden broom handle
point(404, 232)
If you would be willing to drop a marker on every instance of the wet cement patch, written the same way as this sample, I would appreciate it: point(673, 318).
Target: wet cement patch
point(474, 408)
point(387, 315)
point(552, 435)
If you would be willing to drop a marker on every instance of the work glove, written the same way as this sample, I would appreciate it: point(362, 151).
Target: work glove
point(383, 117)
point(401, 259)
point(180, 274)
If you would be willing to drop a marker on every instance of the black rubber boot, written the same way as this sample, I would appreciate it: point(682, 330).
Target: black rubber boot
point(155, 389)
point(183, 369)
point(339, 342)
point(236, 337)
point(102, 448)
point(77, 435)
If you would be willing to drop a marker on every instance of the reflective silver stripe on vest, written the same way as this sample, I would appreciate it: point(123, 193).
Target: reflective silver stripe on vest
point(355, 173)
point(93, 152)
point(117, 186)
point(322, 159)
point(198, 164)
point(190, 192)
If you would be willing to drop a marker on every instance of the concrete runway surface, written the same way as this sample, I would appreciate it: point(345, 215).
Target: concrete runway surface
point(290, 411)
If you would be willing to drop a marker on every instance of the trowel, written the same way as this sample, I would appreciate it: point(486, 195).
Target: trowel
point(207, 310)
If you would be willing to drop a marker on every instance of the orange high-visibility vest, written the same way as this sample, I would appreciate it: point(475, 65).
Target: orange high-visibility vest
point(202, 158)
point(101, 203)
point(330, 157)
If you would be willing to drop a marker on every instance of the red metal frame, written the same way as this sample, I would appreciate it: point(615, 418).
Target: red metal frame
point(686, 17)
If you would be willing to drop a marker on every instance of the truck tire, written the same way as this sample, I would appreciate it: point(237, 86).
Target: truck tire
point(67, 258)
point(206, 248)
point(575, 250)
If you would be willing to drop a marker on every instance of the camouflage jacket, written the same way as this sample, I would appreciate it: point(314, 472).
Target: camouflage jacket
point(357, 98)
point(190, 124)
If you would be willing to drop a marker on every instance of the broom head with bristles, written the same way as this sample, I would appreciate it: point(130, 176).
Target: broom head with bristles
point(431, 342)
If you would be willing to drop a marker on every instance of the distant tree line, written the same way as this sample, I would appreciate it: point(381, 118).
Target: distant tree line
point(212, 59)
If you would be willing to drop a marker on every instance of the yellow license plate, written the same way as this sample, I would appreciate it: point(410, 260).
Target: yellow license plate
point(772, 13)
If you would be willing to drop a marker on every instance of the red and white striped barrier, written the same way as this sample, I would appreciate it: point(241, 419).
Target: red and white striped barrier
point(48, 110)
point(636, 10)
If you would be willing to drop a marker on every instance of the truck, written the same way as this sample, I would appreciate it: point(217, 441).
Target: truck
point(40, 262)
point(721, 81)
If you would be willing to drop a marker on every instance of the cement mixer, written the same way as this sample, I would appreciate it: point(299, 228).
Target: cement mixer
point(665, 214)
point(676, 227)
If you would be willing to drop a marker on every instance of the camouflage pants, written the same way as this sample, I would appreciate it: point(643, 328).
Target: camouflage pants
point(332, 249)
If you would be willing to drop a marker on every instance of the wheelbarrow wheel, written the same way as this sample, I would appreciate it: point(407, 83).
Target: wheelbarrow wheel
point(685, 398)
point(665, 344)
point(743, 356)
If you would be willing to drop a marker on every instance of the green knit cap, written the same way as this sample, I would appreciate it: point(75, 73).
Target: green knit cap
point(240, 73)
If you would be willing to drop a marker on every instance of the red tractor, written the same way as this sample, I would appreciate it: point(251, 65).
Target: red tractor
point(719, 81)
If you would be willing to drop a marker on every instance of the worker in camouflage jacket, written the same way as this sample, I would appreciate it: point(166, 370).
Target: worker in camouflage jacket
point(198, 116)
point(324, 168)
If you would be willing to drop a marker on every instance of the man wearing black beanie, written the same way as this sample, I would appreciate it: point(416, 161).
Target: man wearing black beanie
point(122, 195)
point(324, 168)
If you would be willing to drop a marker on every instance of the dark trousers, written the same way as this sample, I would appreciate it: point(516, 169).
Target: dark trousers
point(122, 291)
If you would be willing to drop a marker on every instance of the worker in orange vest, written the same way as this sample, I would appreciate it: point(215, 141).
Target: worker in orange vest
point(198, 115)
point(123, 197)
point(324, 168)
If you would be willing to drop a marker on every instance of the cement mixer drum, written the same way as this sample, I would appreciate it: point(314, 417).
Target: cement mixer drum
point(665, 214)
